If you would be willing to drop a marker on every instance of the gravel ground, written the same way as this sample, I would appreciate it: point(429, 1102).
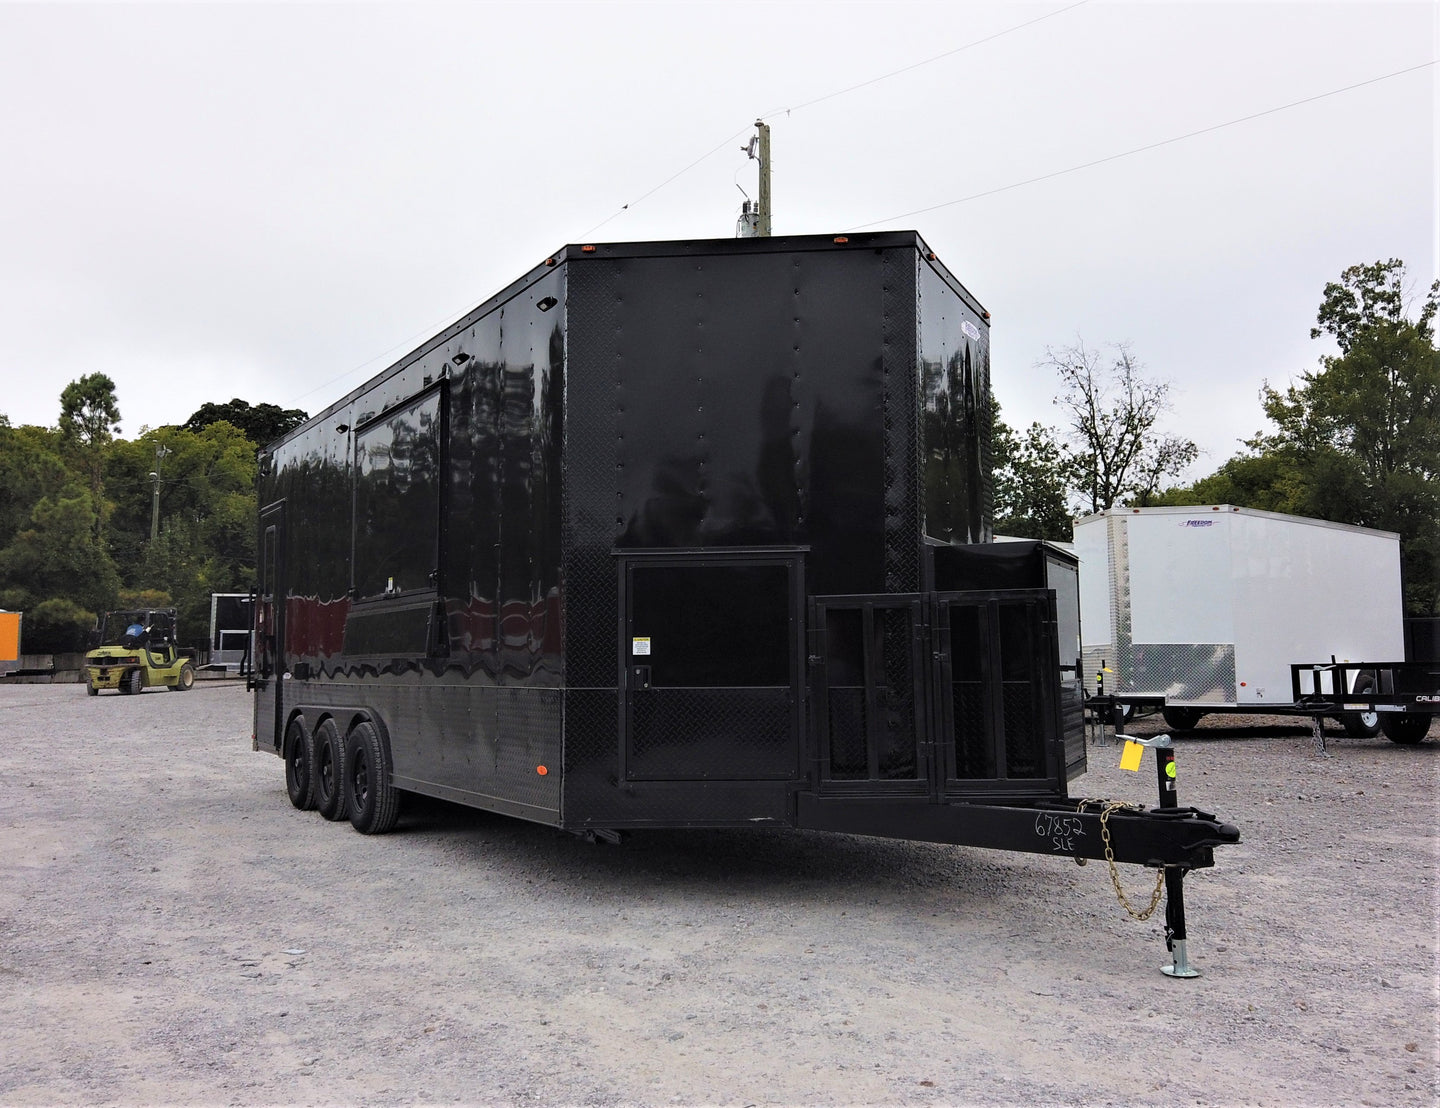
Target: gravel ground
point(172, 931)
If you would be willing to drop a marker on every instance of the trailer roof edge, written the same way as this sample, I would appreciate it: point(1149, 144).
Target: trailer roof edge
point(581, 253)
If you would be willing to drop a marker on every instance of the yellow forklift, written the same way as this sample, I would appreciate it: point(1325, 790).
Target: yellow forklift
point(136, 651)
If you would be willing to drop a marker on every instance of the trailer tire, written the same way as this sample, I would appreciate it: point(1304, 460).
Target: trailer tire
point(186, 680)
point(300, 765)
point(329, 772)
point(374, 803)
point(132, 682)
point(1181, 719)
point(1407, 730)
point(1362, 725)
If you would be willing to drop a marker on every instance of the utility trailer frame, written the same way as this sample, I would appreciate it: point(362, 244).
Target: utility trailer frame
point(1404, 695)
point(682, 534)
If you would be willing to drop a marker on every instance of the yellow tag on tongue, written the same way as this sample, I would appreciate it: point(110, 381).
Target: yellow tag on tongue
point(1130, 756)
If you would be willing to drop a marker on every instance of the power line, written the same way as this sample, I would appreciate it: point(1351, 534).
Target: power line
point(927, 61)
point(626, 207)
point(702, 158)
point(830, 96)
point(1143, 149)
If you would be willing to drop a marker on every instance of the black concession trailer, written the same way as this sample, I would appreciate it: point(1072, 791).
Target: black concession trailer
point(683, 534)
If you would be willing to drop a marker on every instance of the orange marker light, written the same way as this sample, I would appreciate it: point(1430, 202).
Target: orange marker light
point(841, 238)
point(541, 770)
point(587, 250)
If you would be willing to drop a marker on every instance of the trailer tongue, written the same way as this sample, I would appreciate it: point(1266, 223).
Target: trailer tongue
point(686, 534)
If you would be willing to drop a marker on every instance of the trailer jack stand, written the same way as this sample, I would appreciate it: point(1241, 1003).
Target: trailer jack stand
point(1175, 940)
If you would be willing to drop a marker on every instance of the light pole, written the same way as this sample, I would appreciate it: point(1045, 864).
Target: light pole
point(160, 453)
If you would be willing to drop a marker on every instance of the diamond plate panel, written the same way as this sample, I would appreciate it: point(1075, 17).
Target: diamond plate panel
point(847, 723)
point(590, 485)
point(1024, 753)
point(702, 734)
point(898, 755)
point(1118, 537)
point(1201, 672)
point(528, 736)
point(974, 753)
point(901, 416)
point(592, 751)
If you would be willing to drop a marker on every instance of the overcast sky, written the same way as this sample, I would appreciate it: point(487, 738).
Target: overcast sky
point(276, 201)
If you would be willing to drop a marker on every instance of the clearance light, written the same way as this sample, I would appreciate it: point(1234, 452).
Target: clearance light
point(587, 250)
point(841, 238)
point(541, 770)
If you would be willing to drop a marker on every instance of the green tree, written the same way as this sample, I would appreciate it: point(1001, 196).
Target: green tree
point(55, 557)
point(1117, 453)
point(1364, 430)
point(1358, 440)
point(206, 540)
point(261, 424)
point(1029, 473)
point(57, 627)
point(89, 420)
point(31, 467)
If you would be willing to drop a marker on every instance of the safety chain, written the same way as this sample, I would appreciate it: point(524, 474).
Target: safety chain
point(1108, 806)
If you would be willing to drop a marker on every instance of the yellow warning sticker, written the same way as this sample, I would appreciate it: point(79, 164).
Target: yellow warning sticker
point(1130, 756)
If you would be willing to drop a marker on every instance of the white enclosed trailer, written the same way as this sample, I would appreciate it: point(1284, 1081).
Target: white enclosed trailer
point(1203, 609)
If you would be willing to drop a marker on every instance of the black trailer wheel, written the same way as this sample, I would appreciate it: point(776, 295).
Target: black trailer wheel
point(1181, 719)
point(1407, 730)
point(132, 682)
point(186, 681)
point(329, 772)
point(1361, 725)
point(300, 765)
point(373, 801)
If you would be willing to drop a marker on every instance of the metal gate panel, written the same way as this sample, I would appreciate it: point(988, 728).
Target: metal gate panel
point(939, 694)
point(995, 690)
point(871, 704)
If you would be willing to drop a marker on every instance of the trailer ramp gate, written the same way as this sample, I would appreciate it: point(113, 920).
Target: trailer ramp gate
point(937, 716)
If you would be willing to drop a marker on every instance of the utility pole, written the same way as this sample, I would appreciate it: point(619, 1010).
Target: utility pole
point(763, 228)
point(160, 453)
point(755, 215)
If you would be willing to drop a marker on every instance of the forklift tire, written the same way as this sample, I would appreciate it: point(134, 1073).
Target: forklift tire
point(186, 681)
point(329, 772)
point(132, 682)
point(91, 690)
point(1361, 725)
point(373, 801)
point(300, 765)
point(1407, 730)
point(1182, 719)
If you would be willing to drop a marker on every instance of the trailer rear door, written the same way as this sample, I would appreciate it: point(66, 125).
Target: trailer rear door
point(710, 665)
